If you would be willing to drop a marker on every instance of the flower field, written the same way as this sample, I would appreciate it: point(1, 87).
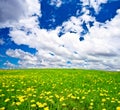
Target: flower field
point(59, 89)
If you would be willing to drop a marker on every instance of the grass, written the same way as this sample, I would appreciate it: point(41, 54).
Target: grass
point(59, 89)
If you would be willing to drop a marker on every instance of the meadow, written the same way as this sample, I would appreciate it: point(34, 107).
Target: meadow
point(59, 89)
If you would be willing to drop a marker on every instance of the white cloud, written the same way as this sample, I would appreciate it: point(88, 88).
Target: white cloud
point(95, 4)
point(56, 3)
point(99, 50)
point(9, 65)
point(11, 12)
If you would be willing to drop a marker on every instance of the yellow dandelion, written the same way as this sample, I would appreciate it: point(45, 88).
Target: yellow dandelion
point(50, 96)
point(40, 105)
point(104, 109)
point(46, 108)
point(108, 98)
point(12, 96)
point(117, 108)
point(44, 104)
point(64, 104)
point(29, 94)
point(2, 95)
point(91, 103)
point(101, 94)
point(33, 105)
point(34, 95)
point(112, 101)
point(61, 99)
point(78, 98)
point(48, 93)
point(69, 95)
point(2, 108)
point(118, 101)
point(73, 97)
point(83, 97)
point(18, 103)
point(32, 101)
point(13, 103)
point(7, 100)
point(57, 96)
point(90, 107)
point(103, 100)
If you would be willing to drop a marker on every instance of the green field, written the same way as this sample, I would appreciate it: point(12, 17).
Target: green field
point(59, 89)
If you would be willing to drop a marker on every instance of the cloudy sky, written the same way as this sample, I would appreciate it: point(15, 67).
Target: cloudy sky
point(60, 34)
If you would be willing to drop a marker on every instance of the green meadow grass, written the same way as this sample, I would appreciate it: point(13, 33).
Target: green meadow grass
point(59, 89)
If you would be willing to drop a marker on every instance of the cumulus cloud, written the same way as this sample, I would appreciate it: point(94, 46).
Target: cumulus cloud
point(9, 65)
point(11, 11)
point(95, 4)
point(99, 50)
point(56, 3)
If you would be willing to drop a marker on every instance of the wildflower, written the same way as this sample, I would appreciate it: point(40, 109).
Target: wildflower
point(32, 101)
point(40, 105)
point(117, 108)
point(101, 94)
point(103, 100)
point(2, 108)
point(2, 95)
point(119, 102)
point(69, 95)
point(33, 105)
point(48, 93)
point(90, 107)
point(73, 97)
point(7, 100)
point(13, 103)
point(61, 99)
point(104, 109)
point(46, 108)
point(57, 96)
point(77, 98)
point(21, 98)
point(112, 101)
point(91, 103)
point(83, 97)
point(18, 103)
point(63, 104)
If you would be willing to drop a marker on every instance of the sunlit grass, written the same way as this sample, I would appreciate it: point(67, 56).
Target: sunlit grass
point(59, 89)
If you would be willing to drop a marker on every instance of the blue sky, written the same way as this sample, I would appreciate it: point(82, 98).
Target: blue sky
point(60, 34)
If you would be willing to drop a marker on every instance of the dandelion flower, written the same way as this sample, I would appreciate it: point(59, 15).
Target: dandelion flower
point(119, 102)
point(57, 96)
point(103, 100)
point(117, 108)
point(46, 108)
point(13, 103)
point(18, 103)
point(32, 101)
point(7, 100)
point(63, 104)
point(2, 108)
point(91, 103)
point(83, 97)
point(61, 99)
point(90, 107)
point(33, 105)
point(40, 105)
